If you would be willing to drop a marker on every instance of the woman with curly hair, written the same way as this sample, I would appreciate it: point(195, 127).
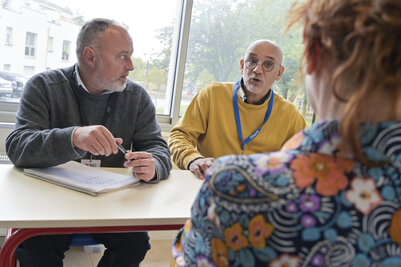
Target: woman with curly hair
point(332, 195)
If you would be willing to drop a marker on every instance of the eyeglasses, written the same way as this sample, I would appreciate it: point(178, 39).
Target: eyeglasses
point(267, 66)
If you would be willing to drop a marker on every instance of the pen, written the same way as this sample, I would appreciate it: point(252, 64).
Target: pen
point(121, 148)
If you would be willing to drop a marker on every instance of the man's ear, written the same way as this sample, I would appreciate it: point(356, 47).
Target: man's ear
point(313, 57)
point(280, 73)
point(89, 56)
point(241, 63)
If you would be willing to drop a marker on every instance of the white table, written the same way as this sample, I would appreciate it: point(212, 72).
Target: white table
point(37, 207)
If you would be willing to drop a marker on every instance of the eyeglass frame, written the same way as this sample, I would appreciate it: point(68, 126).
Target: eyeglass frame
point(256, 62)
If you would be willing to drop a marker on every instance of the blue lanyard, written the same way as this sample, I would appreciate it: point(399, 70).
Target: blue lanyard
point(238, 119)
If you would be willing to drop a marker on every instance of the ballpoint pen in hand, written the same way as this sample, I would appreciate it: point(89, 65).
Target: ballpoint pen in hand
point(121, 148)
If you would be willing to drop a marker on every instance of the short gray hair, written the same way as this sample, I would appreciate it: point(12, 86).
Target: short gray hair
point(91, 31)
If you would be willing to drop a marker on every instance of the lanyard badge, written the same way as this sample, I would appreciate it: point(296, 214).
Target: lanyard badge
point(238, 119)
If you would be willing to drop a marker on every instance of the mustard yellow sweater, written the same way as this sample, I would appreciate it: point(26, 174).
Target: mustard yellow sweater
point(208, 127)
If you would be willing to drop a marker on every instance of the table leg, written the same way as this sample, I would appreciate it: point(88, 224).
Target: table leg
point(7, 253)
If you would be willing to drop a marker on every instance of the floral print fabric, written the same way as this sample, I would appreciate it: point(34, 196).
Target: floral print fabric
point(311, 204)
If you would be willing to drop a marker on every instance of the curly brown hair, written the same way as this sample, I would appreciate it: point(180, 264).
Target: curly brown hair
point(362, 40)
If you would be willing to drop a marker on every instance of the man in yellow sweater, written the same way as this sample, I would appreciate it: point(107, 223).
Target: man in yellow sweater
point(245, 117)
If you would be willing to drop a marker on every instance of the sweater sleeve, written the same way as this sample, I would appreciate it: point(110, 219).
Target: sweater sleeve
point(184, 136)
point(148, 138)
point(33, 143)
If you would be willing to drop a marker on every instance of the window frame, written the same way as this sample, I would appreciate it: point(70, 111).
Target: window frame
point(31, 47)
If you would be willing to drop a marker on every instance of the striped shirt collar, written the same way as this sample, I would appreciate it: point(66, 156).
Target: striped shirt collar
point(81, 83)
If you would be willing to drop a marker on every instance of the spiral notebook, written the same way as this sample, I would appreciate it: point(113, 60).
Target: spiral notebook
point(82, 178)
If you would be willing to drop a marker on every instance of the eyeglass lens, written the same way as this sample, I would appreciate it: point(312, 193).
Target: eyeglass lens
point(266, 65)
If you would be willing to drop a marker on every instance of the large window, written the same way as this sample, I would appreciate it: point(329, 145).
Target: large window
point(218, 40)
point(179, 45)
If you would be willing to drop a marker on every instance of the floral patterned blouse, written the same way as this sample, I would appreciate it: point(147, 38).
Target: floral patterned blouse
point(311, 204)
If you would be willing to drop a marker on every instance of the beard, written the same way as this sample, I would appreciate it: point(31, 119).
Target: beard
point(103, 84)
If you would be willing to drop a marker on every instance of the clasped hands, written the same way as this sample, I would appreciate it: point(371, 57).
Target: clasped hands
point(98, 140)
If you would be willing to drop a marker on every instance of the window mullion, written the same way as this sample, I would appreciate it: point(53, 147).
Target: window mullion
point(177, 60)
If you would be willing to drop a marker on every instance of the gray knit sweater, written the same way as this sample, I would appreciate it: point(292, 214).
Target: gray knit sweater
point(52, 105)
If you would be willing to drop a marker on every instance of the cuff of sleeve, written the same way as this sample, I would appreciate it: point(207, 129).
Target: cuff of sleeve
point(187, 160)
point(78, 151)
point(189, 164)
point(155, 179)
point(72, 136)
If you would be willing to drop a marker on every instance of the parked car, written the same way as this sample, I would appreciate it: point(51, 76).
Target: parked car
point(17, 81)
point(5, 87)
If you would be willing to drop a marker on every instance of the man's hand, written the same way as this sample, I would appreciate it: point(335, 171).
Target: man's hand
point(143, 165)
point(199, 166)
point(96, 139)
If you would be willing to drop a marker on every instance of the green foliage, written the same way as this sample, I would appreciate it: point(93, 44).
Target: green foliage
point(150, 75)
point(218, 39)
point(162, 58)
point(138, 74)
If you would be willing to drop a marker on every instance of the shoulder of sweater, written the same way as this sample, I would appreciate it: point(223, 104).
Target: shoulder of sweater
point(284, 103)
point(213, 85)
point(54, 76)
point(135, 88)
point(288, 109)
point(217, 88)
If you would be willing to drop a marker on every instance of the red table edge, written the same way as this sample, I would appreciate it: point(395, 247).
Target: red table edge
point(13, 239)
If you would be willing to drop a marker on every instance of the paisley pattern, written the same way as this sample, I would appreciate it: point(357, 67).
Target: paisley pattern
point(311, 204)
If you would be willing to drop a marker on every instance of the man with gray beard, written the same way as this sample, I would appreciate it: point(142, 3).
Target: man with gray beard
point(81, 113)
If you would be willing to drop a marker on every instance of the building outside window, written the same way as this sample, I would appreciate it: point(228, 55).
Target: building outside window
point(7, 67)
point(30, 44)
point(29, 71)
point(66, 50)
